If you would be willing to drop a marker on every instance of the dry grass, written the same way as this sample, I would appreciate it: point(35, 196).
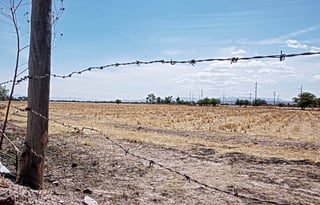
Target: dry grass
point(230, 148)
point(252, 125)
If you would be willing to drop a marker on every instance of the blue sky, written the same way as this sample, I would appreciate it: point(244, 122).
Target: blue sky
point(110, 31)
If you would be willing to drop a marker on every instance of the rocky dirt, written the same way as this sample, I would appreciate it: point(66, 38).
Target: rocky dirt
point(101, 170)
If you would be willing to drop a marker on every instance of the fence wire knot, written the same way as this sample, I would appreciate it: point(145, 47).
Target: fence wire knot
point(126, 151)
point(193, 62)
point(282, 56)
point(151, 163)
point(234, 60)
point(187, 178)
point(32, 151)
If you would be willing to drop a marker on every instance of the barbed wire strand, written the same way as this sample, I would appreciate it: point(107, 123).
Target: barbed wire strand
point(46, 118)
point(192, 62)
point(151, 162)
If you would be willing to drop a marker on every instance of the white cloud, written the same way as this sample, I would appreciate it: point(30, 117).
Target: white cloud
point(295, 44)
point(172, 52)
point(316, 78)
point(279, 39)
point(231, 51)
point(276, 68)
point(234, 78)
point(253, 66)
point(238, 52)
point(303, 31)
point(315, 49)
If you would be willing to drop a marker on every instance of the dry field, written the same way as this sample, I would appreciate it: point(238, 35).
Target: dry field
point(245, 155)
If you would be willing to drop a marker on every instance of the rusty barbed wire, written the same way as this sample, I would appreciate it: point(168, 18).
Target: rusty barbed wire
point(26, 145)
point(46, 118)
point(282, 56)
point(24, 78)
point(151, 162)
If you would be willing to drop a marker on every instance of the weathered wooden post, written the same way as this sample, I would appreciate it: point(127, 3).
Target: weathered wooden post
point(33, 156)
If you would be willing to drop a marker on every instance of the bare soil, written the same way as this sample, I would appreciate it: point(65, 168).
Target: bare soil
point(89, 164)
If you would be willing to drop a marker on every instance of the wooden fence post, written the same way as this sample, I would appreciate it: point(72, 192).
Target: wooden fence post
point(33, 155)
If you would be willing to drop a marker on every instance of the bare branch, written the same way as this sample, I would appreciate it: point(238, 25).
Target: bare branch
point(56, 16)
point(18, 6)
point(27, 46)
point(16, 26)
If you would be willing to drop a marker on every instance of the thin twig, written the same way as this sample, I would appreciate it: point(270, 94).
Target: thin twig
point(16, 27)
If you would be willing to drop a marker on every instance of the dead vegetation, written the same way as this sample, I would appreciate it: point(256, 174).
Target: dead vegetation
point(263, 153)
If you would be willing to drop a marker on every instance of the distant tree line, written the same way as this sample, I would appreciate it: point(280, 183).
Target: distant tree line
point(306, 99)
point(208, 101)
point(153, 99)
point(303, 100)
point(258, 102)
point(4, 95)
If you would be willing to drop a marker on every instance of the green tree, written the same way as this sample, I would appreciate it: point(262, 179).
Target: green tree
point(159, 100)
point(118, 101)
point(214, 101)
point(208, 101)
point(151, 98)
point(259, 102)
point(179, 101)
point(168, 99)
point(3, 93)
point(242, 102)
point(204, 101)
point(305, 99)
point(317, 102)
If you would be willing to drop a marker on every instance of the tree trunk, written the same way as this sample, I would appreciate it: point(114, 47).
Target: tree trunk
point(33, 155)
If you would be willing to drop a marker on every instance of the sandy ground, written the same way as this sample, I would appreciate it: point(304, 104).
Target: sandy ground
point(188, 172)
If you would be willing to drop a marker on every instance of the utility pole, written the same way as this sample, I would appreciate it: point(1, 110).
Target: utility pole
point(33, 154)
point(255, 93)
point(274, 98)
point(223, 99)
point(201, 96)
point(301, 91)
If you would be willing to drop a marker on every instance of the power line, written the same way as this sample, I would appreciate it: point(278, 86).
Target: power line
point(193, 62)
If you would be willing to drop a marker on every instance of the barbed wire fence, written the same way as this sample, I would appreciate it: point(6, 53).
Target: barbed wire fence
point(192, 62)
point(150, 162)
point(114, 142)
